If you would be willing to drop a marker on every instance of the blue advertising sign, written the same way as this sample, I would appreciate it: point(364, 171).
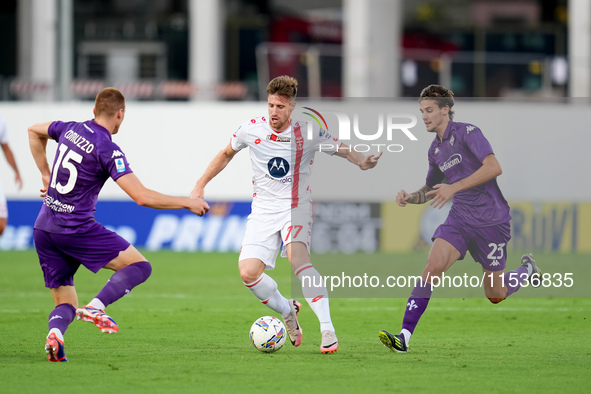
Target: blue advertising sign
point(221, 230)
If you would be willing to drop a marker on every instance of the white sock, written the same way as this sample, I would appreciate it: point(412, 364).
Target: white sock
point(406, 334)
point(96, 303)
point(530, 269)
point(57, 333)
point(265, 289)
point(314, 290)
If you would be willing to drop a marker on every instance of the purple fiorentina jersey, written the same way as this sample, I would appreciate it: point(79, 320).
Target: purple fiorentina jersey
point(86, 157)
point(458, 156)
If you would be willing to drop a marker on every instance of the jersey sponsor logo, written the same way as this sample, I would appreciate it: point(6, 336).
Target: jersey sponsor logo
point(285, 180)
point(278, 167)
point(120, 164)
point(278, 138)
point(116, 153)
point(58, 206)
point(257, 141)
point(453, 160)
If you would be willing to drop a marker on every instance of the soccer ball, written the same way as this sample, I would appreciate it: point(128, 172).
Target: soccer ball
point(267, 334)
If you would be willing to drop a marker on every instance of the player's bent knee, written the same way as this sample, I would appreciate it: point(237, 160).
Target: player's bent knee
point(250, 270)
point(144, 267)
point(495, 300)
point(248, 276)
point(125, 258)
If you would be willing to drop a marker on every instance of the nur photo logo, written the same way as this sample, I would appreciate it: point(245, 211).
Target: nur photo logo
point(349, 128)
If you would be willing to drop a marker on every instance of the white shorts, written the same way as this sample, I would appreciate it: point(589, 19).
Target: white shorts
point(3, 206)
point(266, 232)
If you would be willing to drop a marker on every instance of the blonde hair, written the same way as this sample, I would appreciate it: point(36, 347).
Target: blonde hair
point(108, 102)
point(283, 86)
point(442, 95)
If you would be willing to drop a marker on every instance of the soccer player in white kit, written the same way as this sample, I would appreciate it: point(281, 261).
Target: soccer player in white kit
point(17, 177)
point(282, 154)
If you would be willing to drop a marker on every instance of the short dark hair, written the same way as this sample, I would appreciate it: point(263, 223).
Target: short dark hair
point(283, 86)
point(108, 102)
point(442, 95)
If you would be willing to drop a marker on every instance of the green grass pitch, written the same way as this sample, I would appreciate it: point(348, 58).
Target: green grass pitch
point(186, 331)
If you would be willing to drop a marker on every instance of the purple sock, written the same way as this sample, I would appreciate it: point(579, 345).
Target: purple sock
point(417, 303)
point(514, 279)
point(123, 281)
point(61, 317)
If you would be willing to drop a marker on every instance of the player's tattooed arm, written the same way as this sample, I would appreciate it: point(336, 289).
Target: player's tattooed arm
point(419, 196)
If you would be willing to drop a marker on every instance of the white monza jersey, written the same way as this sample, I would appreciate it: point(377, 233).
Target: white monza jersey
point(281, 162)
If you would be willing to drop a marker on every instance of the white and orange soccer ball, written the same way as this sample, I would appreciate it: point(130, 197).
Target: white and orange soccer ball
point(268, 334)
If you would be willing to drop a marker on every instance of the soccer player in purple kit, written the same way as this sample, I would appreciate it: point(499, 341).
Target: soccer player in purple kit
point(462, 165)
point(66, 234)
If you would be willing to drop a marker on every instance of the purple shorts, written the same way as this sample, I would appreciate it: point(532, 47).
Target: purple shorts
point(60, 255)
point(487, 245)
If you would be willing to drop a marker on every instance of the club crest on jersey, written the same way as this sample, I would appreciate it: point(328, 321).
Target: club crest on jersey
point(299, 143)
point(278, 167)
point(452, 140)
point(278, 138)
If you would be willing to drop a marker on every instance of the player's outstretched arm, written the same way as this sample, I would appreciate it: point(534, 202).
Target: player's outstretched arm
point(145, 197)
point(219, 162)
point(38, 136)
point(418, 197)
point(12, 161)
point(359, 159)
point(442, 193)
